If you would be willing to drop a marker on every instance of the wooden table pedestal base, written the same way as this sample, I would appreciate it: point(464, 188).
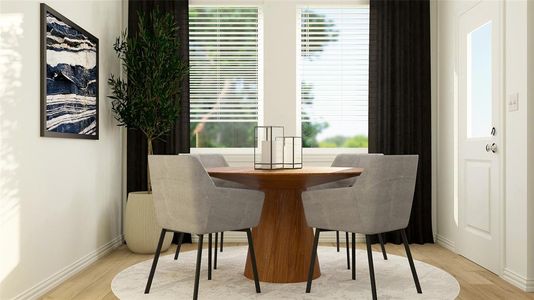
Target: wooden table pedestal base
point(282, 240)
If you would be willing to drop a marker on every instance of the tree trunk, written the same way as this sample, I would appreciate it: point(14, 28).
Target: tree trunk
point(150, 151)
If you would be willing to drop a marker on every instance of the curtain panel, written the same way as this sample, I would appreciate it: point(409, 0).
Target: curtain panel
point(400, 98)
point(177, 141)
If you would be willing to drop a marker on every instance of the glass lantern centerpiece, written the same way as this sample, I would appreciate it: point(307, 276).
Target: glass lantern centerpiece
point(292, 152)
point(268, 147)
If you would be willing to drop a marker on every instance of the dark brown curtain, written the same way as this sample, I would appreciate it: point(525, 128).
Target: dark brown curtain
point(399, 98)
point(178, 139)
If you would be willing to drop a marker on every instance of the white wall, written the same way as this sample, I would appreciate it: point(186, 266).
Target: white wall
point(518, 158)
point(60, 198)
point(530, 141)
point(280, 52)
point(447, 217)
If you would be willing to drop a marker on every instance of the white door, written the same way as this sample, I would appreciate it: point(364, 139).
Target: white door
point(480, 134)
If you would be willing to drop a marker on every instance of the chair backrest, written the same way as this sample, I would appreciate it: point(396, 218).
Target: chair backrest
point(384, 192)
point(211, 160)
point(359, 160)
point(180, 188)
point(215, 161)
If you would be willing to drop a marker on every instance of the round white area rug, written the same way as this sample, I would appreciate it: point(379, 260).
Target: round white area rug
point(175, 279)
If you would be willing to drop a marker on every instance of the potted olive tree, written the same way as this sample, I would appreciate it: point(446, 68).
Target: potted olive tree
point(146, 99)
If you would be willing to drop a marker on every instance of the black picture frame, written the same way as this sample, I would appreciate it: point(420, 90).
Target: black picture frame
point(92, 92)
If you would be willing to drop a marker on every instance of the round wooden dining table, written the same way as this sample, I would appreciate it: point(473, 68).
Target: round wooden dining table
point(283, 240)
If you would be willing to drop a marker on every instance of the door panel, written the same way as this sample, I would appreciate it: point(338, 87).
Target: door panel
point(479, 124)
point(478, 196)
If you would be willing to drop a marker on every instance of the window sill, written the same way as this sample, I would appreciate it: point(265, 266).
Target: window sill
point(311, 156)
point(250, 151)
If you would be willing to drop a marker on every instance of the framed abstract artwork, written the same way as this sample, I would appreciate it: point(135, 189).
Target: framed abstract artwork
point(69, 78)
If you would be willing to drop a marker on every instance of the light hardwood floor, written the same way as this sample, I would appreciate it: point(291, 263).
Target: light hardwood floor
point(476, 282)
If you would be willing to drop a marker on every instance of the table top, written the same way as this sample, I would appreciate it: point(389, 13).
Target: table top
point(298, 179)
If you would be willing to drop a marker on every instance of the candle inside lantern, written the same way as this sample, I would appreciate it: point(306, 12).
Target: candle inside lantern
point(288, 151)
point(269, 147)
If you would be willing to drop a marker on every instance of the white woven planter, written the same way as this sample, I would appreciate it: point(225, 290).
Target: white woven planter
point(141, 231)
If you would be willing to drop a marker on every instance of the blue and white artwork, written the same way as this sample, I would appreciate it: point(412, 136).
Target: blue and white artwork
point(71, 80)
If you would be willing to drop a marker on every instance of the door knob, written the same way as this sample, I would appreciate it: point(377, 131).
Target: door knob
point(492, 147)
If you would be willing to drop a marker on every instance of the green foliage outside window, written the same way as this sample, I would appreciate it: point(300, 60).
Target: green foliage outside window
point(222, 135)
point(339, 141)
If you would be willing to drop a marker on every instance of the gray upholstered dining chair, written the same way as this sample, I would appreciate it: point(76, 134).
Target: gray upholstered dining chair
point(187, 200)
point(379, 201)
point(215, 161)
point(212, 161)
point(356, 160)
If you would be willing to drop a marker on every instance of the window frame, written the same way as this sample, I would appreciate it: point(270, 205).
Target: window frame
point(260, 62)
point(265, 17)
point(323, 5)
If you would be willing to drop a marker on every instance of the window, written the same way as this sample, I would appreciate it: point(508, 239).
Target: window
point(479, 82)
point(332, 75)
point(225, 55)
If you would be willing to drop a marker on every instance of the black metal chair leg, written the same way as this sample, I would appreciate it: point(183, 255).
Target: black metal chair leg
point(209, 255)
point(384, 254)
point(337, 240)
point(180, 239)
point(353, 256)
point(410, 259)
point(215, 253)
point(313, 258)
point(199, 262)
point(253, 261)
point(155, 261)
point(371, 266)
point(222, 239)
point(348, 252)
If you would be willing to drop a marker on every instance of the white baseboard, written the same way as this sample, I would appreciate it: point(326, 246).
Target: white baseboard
point(56, 279)
point(241, 237)
point(519, 281)
point(510, 276)
point(445, 243)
